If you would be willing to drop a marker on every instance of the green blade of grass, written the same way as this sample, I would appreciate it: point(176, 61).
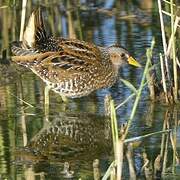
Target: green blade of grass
point(129, 85)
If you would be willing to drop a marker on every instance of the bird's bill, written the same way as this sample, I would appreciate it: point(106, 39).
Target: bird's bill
point(133, 62)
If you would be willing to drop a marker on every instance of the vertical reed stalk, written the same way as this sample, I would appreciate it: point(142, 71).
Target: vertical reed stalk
point(114, 126)
point(72, 33)
point(150, 77)
point(164, 135)
point(79, 25)
point(174, 141)
point(113, 174)
point(163, 38)
point(117, 144)
point(23, 16)
point(175, 89)
point(171, 41)
point(129, 155)
point(79, 21)
point(163, 78)
point(165, 155)
point(119, 156)
point(4, 29)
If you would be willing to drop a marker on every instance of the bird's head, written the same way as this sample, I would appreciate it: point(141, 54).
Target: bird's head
point(120, 56)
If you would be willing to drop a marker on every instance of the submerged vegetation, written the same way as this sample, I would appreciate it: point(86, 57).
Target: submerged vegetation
point(65, 132)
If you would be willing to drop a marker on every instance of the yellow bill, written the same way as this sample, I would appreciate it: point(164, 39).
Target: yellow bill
point(133, 62)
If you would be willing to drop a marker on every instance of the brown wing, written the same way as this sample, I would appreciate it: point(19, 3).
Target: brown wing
point(76, 57)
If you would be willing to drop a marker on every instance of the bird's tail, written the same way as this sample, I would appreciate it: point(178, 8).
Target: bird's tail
point(34, 33)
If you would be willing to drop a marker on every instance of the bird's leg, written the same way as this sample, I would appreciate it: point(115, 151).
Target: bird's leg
point(46, 102)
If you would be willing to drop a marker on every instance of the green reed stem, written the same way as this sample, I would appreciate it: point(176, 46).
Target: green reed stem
point(130, 97)
point(79, 24)
point(114, 126)
point(126, 100)
point(139, 138)
point(149, 56)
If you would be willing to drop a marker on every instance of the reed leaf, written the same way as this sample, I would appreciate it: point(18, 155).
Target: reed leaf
point(129, 85)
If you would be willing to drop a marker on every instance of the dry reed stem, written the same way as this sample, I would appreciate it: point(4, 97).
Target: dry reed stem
point(146, 167)
point(119, 156)
point(168, 2)
point(149, 75)
point(173, 137)
point(175, 88)
point(171, 38)
point(163, 78)
point(150, 78)
point(109, 170)
point(175, 154)
point(113, 174)
point(23, 16)
point(163, 135)
point(163, 38)
point(165, 155)
point(157, 165)
point(129, 155)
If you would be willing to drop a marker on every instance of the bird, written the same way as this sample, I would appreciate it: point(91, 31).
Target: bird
point(70, 67)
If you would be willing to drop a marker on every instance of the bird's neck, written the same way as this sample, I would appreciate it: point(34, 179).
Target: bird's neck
point(116, 69)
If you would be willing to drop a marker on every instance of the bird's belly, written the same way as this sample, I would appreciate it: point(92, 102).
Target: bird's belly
point(65, 89)
point(77, 86)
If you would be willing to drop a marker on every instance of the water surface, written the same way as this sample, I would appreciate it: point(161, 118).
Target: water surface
point(79, 132)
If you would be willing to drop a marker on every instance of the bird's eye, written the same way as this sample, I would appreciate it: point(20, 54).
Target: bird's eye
point(122, 55)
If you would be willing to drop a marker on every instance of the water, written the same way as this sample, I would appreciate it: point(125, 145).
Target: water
point(78, 133)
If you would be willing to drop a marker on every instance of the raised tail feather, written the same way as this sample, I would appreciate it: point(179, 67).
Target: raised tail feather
point(35, 32)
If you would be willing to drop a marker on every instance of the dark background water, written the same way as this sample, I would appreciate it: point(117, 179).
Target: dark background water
point(78, 132)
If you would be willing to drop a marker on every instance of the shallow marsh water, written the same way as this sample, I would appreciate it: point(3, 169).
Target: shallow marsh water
point(78, 133)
